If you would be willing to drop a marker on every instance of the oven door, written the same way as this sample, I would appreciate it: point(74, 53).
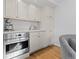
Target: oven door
point(15, 49)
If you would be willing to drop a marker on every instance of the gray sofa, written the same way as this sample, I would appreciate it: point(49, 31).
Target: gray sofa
point(68, 46)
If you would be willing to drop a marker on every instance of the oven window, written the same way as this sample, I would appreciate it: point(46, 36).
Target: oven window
point(16, 46)
point(24, 44)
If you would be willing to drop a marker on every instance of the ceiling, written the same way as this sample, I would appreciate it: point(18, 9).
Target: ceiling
point(42, 3)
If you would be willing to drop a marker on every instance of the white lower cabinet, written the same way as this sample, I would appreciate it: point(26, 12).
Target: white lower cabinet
point(34, 41)
point(23, 10)
point(38, 40)
point(44, 38)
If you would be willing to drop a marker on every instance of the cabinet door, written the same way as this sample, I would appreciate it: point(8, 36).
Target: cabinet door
point(4, 8)
point(11, 8)
point(23, 10)
point(34, 12)
point(45, 39)
point(34, 42)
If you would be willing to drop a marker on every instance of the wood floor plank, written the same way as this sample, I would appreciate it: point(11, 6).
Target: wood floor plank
point(51, 52)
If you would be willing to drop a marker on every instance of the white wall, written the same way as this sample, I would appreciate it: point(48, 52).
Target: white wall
point(65, 19)
point(24, 25)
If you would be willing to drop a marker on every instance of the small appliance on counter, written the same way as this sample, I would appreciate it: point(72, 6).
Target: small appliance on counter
point(8, 26)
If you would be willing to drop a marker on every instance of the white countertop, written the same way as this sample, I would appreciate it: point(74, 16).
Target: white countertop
point(23, 31)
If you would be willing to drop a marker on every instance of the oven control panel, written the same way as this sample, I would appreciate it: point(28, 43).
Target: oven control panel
point(15, 37)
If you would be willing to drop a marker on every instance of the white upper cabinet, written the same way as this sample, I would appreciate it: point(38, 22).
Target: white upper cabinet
point(28, 11)
point(23, 10)
point(43, 3)
point(10, 8)
point(34, 12)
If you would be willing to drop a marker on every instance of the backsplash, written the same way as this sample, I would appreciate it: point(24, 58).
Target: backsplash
point(25, 25)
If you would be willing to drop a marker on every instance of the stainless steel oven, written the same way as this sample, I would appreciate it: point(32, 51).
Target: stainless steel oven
point(16, 44)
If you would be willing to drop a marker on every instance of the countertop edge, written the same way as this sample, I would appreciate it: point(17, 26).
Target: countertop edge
point(18, 31)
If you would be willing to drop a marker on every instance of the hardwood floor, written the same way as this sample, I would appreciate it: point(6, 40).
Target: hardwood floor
point(51, 52)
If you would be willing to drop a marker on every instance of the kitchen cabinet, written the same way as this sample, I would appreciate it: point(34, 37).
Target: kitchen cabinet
point(45, 39)
point(23, 10)
point(15, 9)
point(34, 12)
point(4, 8)
point(38, 40)
point(10, 8)
point(28, 11)
point(34, 41)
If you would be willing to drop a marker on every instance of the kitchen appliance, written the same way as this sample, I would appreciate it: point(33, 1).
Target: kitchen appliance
point(15, 44)
point(8, 26)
